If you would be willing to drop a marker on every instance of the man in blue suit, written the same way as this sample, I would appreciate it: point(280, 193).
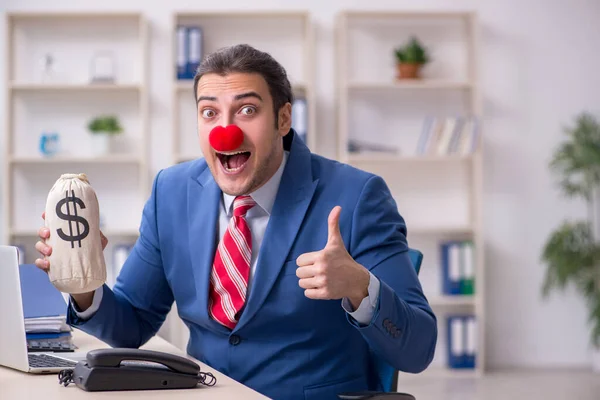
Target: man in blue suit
point(290, 270)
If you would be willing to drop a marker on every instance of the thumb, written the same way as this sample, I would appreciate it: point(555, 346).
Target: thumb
point(333, 223)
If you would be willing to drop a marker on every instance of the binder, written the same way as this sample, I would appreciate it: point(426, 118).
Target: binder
point(120, 254)
point(182, 53)
point(194, 50)
point(299, 118)
point(456, 342)
point(462, 341)
point(471, 342)
point(451, 268)
point(467, 284)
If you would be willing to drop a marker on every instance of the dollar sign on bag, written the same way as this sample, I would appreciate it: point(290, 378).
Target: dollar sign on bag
point(72, 218)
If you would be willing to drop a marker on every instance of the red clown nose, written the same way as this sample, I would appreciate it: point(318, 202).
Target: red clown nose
point(226, 138)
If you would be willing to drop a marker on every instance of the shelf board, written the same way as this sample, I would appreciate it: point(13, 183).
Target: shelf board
point(276, 14)
point(108, 233)
point(111, 159)
point(410, 84)
point(58, 87)
point(406, 14)
point(452, 301)
point(375, 157)
point(188, 84)
point(73, 15)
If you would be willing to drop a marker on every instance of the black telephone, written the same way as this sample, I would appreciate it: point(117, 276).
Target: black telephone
point(134, 369)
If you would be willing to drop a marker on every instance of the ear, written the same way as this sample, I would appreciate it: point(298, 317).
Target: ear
point(285, 119)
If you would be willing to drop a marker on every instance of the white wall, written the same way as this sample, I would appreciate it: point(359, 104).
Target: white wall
point(539, 67)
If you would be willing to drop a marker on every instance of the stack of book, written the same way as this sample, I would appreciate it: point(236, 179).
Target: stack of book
point(448, 136)
point(44, 309)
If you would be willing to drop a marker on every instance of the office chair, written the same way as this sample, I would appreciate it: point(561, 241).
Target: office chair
point(388, 376)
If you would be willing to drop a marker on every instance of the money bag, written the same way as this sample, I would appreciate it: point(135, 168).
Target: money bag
point(77, 263)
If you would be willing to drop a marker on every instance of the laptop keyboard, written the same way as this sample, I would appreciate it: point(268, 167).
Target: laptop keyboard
point(47, 361)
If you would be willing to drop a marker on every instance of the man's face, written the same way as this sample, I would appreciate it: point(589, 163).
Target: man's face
point(243, 100)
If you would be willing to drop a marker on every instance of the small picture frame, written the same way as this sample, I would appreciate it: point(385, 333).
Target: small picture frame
point(102, 68)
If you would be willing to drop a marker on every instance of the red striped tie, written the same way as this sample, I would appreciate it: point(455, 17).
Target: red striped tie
point(231, 267)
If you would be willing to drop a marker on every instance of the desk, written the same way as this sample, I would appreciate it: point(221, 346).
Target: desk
point(22, 386)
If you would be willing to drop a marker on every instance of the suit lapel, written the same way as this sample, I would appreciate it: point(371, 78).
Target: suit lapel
point(204, 197)
point(294, 195)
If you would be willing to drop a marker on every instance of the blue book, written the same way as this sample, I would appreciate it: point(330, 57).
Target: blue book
point(456, 342)
point(451, 267)
point(47, 335)
point(194, 50)
point(300, 118)
point(470, 342)
point(40, 297)
point(182, 52)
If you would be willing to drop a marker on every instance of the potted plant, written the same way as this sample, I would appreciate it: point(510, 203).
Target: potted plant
point(572, 252)
point(103, 128)
point(410, 58)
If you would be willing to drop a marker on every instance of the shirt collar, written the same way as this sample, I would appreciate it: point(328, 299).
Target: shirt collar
point(264, 196)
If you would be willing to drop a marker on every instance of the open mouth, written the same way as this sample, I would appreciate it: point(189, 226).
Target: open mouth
point(234, 161)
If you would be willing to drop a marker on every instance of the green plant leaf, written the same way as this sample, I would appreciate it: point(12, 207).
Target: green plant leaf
point(412, 52)
point(105, 124)
point(577, 161)
point(571, 257)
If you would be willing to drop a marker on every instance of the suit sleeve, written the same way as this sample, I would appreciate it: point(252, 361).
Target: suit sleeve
point(131, 313)
point(403, 328)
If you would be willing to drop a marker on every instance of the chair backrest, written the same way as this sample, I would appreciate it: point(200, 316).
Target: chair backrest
point(388, 375)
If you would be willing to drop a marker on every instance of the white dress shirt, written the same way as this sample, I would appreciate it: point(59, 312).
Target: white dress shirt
point(258, 218)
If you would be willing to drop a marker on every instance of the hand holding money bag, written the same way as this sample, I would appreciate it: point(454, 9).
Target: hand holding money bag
point(77, 263)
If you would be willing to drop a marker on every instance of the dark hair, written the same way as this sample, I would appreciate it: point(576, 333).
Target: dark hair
point(244, 58)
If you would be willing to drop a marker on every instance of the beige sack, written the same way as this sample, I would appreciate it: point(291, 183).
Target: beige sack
point(72, 214)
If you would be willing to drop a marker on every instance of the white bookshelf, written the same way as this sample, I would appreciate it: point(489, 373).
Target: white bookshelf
point(439, 195)
point(64, 102)
point(286, 35)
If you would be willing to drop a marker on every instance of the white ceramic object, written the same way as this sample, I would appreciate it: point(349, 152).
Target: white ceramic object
point(100, 144)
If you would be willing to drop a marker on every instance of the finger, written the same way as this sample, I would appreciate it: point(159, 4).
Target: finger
point(316, 294)
point(43, 248)
point(44, 233)
point(309, 283)
point(306, 272)
point(334, 235)
point(42, 264)
point(307, 258)
point(44, 215)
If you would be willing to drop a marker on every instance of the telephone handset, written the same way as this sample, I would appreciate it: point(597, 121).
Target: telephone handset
point(135, 369)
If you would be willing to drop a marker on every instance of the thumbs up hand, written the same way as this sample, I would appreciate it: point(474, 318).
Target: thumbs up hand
point(332, 273)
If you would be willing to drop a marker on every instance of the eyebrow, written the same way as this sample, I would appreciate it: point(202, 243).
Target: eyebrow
point(237, 97)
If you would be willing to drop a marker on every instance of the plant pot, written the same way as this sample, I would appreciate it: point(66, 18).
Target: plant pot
point(100, 144)
point(408, 71)
point(596, 360)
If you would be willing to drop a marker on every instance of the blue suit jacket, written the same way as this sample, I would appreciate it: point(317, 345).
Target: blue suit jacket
point(285, 345)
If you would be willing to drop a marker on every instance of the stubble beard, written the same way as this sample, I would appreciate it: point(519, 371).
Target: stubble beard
point(263, 173)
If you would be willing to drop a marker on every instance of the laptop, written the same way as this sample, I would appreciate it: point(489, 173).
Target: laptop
point(13, 341)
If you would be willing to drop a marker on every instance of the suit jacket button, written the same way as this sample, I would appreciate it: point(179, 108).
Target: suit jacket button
point(234, 340)
point(386, 323)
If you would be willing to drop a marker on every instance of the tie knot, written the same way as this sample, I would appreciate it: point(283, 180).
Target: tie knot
point(241, 205)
